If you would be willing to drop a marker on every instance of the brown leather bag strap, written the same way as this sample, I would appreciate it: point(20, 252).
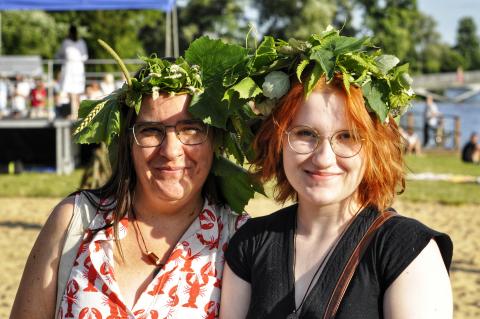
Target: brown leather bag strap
point(353, 261)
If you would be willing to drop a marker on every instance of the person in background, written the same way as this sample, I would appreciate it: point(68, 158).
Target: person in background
point(4, 96)
point(107, 85)
point(38, 100)
point(413, 145)
point(20, 96)
point(431, 118)
point(93, 91)
point(73, 51)
point(341, 163)
point(471, 150)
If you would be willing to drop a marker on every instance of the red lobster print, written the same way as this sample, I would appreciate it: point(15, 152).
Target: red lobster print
point(172, 302)
point(89, 313)
point(83, 247)
point(196, 289)
point(207, 219)
point(90, 273)
point(107, 270)
point(161, 282)
point(72, 289)
point(153, 313)
point(209, 270)
point(189, 258)
point(116, 307)
point(211, 243)
point(212, 310)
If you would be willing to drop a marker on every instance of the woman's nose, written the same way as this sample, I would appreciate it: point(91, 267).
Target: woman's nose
point(323, 155)
point(171, 146)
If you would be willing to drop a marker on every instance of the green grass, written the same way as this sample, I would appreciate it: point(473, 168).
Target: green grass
point(39, 184)
point(441, 191)
point(52, 185)
point(441, 163)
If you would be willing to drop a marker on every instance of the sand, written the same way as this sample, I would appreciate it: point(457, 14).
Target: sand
point(22, 218)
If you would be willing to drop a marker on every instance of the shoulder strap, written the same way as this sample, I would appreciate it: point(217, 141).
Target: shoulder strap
point(83, 213)
point(353, 261)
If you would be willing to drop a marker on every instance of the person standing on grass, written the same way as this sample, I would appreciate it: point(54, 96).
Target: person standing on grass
point(333, 147)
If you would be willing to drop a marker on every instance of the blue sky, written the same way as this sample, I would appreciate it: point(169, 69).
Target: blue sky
point(447, 13)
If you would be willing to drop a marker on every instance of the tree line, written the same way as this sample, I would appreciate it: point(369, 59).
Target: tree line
point(398, 26)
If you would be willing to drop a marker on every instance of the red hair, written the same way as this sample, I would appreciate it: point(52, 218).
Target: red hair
point(382, 146)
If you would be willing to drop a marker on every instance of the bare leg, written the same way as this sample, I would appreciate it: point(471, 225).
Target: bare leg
point(75, 103)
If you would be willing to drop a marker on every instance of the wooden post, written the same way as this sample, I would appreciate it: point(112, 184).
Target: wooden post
point(456, 133)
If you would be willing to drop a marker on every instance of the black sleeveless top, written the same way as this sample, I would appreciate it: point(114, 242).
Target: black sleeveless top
point(261, 253)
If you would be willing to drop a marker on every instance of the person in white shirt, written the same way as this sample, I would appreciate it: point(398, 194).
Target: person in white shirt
point(74, 53)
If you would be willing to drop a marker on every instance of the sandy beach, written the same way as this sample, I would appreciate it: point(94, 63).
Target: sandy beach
point(22, 218)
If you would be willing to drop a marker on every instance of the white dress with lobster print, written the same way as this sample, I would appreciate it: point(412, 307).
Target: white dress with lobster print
point(188, 286)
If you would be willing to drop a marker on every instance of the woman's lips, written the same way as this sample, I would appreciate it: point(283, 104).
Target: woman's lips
point(170, 170)
point(322, 175)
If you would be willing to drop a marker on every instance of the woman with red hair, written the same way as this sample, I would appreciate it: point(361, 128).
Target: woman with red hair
point(340, 251)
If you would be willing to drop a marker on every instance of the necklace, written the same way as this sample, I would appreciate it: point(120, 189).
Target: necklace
point(150, 256)
point(296, 312)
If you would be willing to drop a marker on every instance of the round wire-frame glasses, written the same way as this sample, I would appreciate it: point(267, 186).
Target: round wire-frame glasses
point(152, 134)
point(305, 140)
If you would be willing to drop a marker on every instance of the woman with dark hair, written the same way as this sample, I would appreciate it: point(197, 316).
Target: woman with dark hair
point(332, 146)
point(154, 246)
point(73, 52)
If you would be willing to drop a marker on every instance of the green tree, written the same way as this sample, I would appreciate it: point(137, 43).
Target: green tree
point(391, 22)
point(468, 44)
point(28, 33)
point(286, 18)
point(343, 17)
point(218, 18)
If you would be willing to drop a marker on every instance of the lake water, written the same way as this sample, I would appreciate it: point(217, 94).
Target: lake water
point(469, 114)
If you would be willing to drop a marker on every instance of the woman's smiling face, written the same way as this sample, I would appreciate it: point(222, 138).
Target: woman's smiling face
point(171, 171)
point(322, 178)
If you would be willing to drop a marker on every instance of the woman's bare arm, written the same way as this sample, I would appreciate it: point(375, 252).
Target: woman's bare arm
point(422, 290)
point(36, 295)
point(235, 296)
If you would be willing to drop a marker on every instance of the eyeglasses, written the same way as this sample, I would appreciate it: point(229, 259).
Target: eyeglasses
point(305, 140)
point(151, 134)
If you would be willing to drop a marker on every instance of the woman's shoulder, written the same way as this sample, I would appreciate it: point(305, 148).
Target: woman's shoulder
point(401, 228)
point(63, 211)
point(401, 239)
point(276, 222)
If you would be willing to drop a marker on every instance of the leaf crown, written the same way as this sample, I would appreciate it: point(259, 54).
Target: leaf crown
point(266, 75)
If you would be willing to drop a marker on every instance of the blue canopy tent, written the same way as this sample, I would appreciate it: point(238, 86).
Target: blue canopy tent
point(67, 5)
point(169, 6)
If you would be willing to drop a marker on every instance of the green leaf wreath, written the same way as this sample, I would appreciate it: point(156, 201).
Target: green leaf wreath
point(265, 75)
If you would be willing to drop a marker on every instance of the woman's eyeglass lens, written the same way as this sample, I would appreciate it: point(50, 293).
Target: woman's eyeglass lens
point(305, 140)
point(151, 134)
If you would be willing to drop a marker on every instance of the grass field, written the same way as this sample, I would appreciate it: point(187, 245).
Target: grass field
point(52, 185)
